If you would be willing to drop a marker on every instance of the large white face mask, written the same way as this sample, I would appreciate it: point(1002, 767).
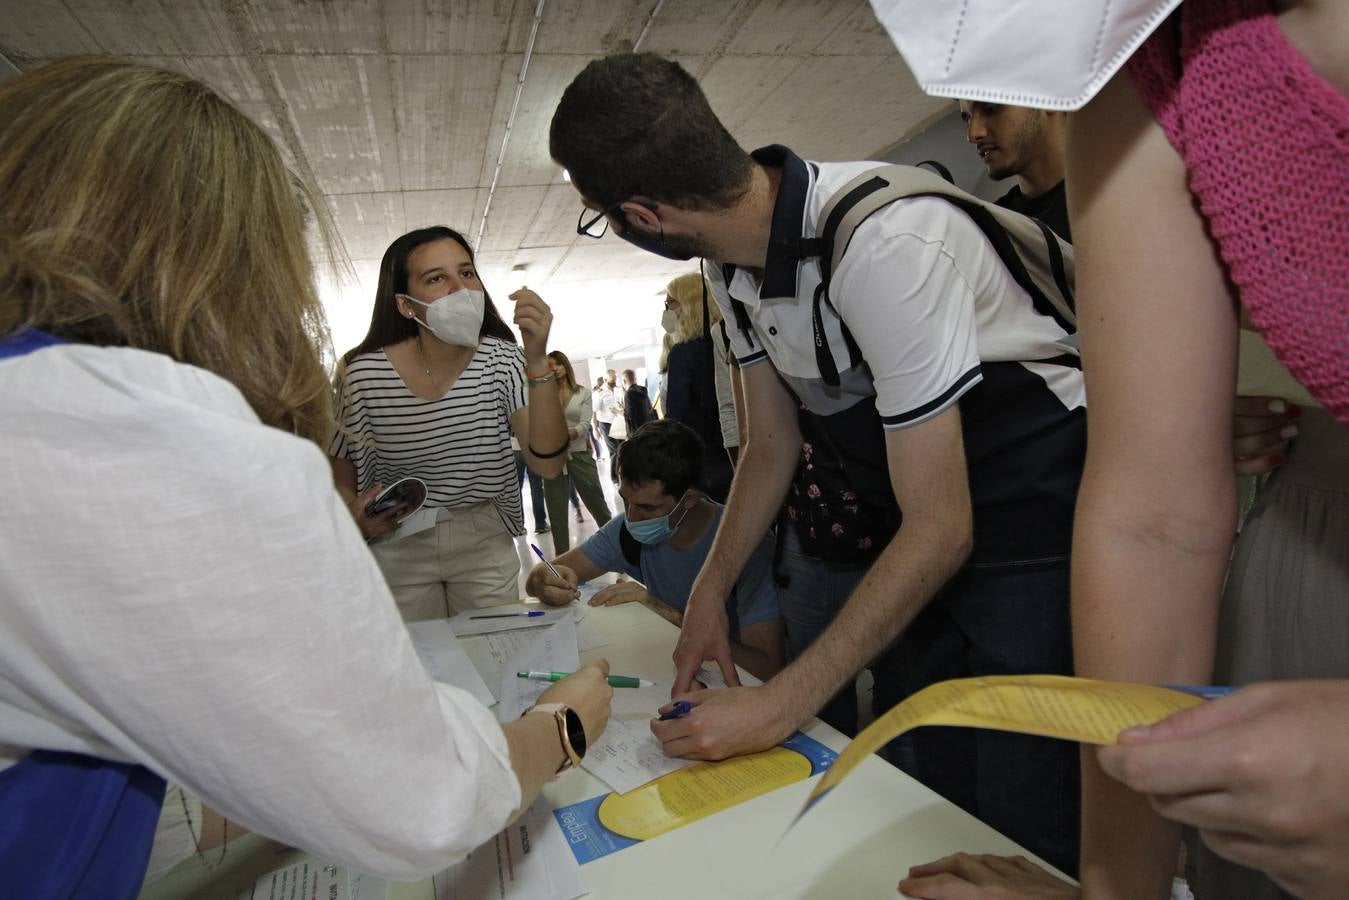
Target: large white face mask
point(669, 320)
point(454, 318)
point(1046, 55)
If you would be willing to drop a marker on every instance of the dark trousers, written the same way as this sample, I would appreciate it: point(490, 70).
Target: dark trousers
point(612, 446)
point(1008, 620)
point(810, 593)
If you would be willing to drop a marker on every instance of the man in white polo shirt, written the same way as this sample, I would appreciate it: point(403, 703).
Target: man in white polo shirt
point(934, 380)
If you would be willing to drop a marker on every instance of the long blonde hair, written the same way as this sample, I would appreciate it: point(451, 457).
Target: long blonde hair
point(139, 208)
point(689, 290)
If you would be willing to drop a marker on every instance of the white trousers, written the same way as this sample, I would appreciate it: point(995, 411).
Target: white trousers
point(467, 561)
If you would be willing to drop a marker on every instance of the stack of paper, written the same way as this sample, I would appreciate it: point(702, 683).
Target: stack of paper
point(472, 621)
point(528, 860)
point(553, 650)
point(310, 878)
point(628, 755)
point(445, 659)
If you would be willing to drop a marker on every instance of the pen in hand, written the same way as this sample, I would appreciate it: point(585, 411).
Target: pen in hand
point(678, 711)
point(618, 681)
point(515, 615)
point(556, 573)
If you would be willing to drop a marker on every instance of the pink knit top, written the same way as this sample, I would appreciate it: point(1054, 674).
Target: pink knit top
point(1266, 143)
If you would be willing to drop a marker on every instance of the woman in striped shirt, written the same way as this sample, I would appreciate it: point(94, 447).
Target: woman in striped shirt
point(435, 391)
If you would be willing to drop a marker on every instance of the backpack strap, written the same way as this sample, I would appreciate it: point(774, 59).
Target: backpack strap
point(1039, 260)
point(737, 308)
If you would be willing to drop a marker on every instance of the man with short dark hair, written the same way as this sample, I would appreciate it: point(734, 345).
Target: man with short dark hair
point(1026, 144)
point(661, 539)
point(962, 400)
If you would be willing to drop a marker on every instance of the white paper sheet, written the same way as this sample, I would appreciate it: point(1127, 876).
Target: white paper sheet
point(366, 887)
point(590, 633)
point(464, 624)
point(299, 881)
point(552, 650)
point(628, 755)
point(445, 659)
point(491, 652)
point(421, 520)
point(589, 589)
point(528, 860)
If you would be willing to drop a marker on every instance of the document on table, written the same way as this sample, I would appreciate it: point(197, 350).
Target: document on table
point(309, 878)
point(445, 659)
point(465, 624)
point(550, 650)
point(628, 755)
point(1074, 709)
point(528, 860)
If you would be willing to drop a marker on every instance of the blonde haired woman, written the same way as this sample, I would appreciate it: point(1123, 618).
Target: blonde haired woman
point(698, 384)
point(581, 475)
point(201, 606)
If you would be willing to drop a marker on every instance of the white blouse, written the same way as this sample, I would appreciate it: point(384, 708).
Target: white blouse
point(184, 588)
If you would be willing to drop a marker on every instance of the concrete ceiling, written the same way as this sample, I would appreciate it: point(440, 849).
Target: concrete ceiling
point(396, 111)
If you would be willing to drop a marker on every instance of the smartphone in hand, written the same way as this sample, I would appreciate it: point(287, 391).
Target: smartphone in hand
point(407, 492)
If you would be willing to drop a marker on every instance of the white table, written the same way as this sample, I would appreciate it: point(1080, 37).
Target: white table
point(856, 844)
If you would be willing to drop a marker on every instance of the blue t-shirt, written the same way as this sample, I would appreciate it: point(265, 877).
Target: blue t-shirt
point(668, 573)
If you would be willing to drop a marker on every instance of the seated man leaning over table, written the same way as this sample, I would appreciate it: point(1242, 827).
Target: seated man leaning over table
point(661, 539)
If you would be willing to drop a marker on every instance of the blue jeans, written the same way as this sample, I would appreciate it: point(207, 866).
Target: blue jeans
point(535, 491)
point(1004, 620)
point(814, 592)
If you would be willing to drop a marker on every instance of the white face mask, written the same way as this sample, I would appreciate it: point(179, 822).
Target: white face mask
point(669, 320)
point(1019, 52)
point(454, 318)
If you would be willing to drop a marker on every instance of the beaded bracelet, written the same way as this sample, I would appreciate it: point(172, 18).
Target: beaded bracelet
point(544, 379)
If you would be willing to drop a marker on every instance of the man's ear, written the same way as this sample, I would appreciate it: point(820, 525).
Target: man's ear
point(642, 214)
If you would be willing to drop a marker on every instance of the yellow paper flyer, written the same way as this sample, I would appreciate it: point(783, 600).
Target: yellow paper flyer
point(1076, 709)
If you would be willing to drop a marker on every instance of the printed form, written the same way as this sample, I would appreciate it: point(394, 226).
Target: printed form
point(528, 860)
point(552, 650)
point(628, 755)
point(446, 660)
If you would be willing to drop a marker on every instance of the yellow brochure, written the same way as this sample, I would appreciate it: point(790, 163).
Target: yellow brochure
point(1076, 709)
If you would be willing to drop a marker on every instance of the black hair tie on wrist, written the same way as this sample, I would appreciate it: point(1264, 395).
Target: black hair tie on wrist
point(558, 452)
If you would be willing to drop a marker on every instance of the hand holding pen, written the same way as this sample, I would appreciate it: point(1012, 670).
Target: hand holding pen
point(554, 585)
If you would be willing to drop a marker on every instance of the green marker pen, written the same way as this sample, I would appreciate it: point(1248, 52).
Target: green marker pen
point(624, 681)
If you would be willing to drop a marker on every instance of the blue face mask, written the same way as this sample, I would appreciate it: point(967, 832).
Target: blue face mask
point(656, 531)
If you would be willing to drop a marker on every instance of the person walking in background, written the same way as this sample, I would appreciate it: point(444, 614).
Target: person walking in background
point(636, 404)
point(608, 408)
point(579, 475)
point(693, 377)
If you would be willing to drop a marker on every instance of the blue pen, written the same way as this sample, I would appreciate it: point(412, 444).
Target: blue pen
point(1207, 691)
point(520, 615)
point(544, 560)
point(678, 711)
